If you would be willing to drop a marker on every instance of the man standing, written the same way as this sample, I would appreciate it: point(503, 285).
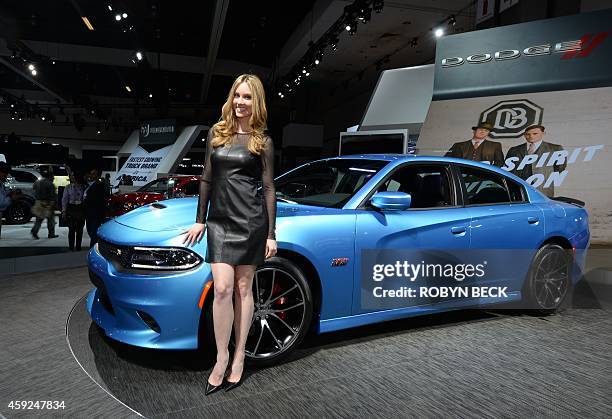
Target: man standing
point(44, 207)
point(94, 198)
point(5, 195)
point(535, 145)
point(479, 148)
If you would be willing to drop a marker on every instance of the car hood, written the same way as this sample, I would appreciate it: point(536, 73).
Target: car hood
point(180, 214)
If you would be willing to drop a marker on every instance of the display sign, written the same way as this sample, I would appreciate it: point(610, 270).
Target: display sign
point(157, 134)
point(569, 52)
point(141, 166)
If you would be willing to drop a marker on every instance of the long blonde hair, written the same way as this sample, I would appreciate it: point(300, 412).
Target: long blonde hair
point(227, 125)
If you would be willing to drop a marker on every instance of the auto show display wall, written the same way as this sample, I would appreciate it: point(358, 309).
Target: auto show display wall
point(555, 73)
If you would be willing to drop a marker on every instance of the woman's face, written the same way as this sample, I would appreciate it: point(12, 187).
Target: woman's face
point(243, 101)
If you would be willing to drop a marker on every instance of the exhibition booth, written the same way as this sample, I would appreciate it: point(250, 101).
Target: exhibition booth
point(141, 331)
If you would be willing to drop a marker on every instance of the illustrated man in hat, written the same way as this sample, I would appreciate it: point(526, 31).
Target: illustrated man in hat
point(479, 147)
point(535, 145)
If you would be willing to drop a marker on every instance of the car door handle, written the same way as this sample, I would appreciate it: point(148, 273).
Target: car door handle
point(533, 220)
point(459, 231)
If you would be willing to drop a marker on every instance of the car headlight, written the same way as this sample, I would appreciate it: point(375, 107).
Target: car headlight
point(168, 258)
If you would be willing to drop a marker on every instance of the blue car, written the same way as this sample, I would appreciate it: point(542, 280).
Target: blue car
point(332, 214)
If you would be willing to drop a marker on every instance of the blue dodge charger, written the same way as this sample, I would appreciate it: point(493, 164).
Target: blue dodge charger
point(336, 218)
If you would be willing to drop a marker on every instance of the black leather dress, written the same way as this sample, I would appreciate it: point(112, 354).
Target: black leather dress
point(241, 215)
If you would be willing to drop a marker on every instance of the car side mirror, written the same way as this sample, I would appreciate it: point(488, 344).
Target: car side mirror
point(391, 201)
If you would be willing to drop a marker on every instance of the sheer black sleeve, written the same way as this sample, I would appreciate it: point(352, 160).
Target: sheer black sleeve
point(267, 157)
point(205, 182)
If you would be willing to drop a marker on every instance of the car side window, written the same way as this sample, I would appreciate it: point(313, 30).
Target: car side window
point(20, 176)
point(517, 192)
point(428, 185)
point(483, 187)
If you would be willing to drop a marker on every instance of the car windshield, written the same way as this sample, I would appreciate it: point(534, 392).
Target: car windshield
point(157, 186)
point(327, 183)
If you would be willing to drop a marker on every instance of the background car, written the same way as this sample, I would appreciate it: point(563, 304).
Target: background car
point(153, 291)
point(157, 190)
point(21, 179)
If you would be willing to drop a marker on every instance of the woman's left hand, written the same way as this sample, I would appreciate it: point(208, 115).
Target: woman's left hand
point(270, 248)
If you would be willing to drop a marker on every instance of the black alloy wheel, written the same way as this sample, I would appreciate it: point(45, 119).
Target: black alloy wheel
point(549, 281)
point(282, 314)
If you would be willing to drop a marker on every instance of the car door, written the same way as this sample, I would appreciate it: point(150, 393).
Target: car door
point(506, 228)
point(436, 223)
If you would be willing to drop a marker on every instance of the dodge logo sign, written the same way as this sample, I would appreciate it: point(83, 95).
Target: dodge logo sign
point(510, 117)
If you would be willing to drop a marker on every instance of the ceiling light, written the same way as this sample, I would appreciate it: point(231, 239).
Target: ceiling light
point(42, 117)
point(150, 95)
point(98, 132)
point(139, 55)
point(124, 15)
point(110, 7)
point(348, 27)
point(87, 23)
point(128, 88)
point(307, 74)
point(31, 67)
point(439, 32)
point(117, 18)
point(53, 62)
point(452, 21)
point(316, 61)
point(34, 72)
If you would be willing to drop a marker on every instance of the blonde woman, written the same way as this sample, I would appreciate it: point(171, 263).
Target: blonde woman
point(241, 218)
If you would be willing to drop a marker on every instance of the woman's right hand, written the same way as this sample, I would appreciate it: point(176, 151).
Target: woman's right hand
point(194, 234)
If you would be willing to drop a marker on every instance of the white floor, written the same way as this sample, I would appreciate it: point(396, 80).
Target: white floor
point(19, 236)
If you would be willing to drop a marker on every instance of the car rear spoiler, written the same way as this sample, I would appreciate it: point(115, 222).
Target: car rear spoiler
point(569, 200)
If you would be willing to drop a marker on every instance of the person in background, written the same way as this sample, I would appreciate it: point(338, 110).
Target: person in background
point(44, 207)
point(73, 210)
point(94, 199)
point(6, 196)
point(107, 183)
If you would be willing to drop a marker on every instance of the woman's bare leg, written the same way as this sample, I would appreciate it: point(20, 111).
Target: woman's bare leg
point(223, 316)
point(243, 315)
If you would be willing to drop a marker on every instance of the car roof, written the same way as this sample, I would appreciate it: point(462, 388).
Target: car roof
point(26, 169)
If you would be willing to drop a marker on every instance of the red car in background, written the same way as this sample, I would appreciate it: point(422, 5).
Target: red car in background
point(157, 190)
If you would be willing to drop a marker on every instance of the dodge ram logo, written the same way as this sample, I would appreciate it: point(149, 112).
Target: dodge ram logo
point(510, 117)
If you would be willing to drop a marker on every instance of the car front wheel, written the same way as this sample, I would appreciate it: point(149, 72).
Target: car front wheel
point(18, 213)
point(282, 313)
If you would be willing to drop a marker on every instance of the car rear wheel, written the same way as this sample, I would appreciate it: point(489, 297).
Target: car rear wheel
point(549, 281)
point(282, 314)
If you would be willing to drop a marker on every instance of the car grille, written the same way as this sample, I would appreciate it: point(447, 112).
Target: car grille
point(118, 255)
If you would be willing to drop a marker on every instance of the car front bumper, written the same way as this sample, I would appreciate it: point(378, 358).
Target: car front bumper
point(149, 309)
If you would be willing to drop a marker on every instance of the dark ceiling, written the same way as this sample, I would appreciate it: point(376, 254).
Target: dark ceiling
point(253, 34)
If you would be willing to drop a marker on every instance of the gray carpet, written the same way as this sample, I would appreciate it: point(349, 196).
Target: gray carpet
point(464, 364)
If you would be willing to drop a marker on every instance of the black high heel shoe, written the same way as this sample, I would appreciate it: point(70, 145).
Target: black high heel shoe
point(230, 385)
point(210, 389)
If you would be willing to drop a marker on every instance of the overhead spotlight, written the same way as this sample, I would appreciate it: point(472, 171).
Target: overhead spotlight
point(42, 117)
point(124, 15)
point(87, 23)
point(53, 62)
point(12, 105)
point(452, 21)
point(117, 17)
point(98, 132)
point(34, 72)
point(307, 74)
point(304, 71)
point(31, 67)
point(150, 95)
point(316, 61)
point(438, 32)
point(139, 56)
point(110, 7)
point(128, 88)
point(348, 27)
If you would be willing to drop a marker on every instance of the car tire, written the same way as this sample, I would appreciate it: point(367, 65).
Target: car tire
point(549, 281)
point(18, 213)
point(282, 314)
